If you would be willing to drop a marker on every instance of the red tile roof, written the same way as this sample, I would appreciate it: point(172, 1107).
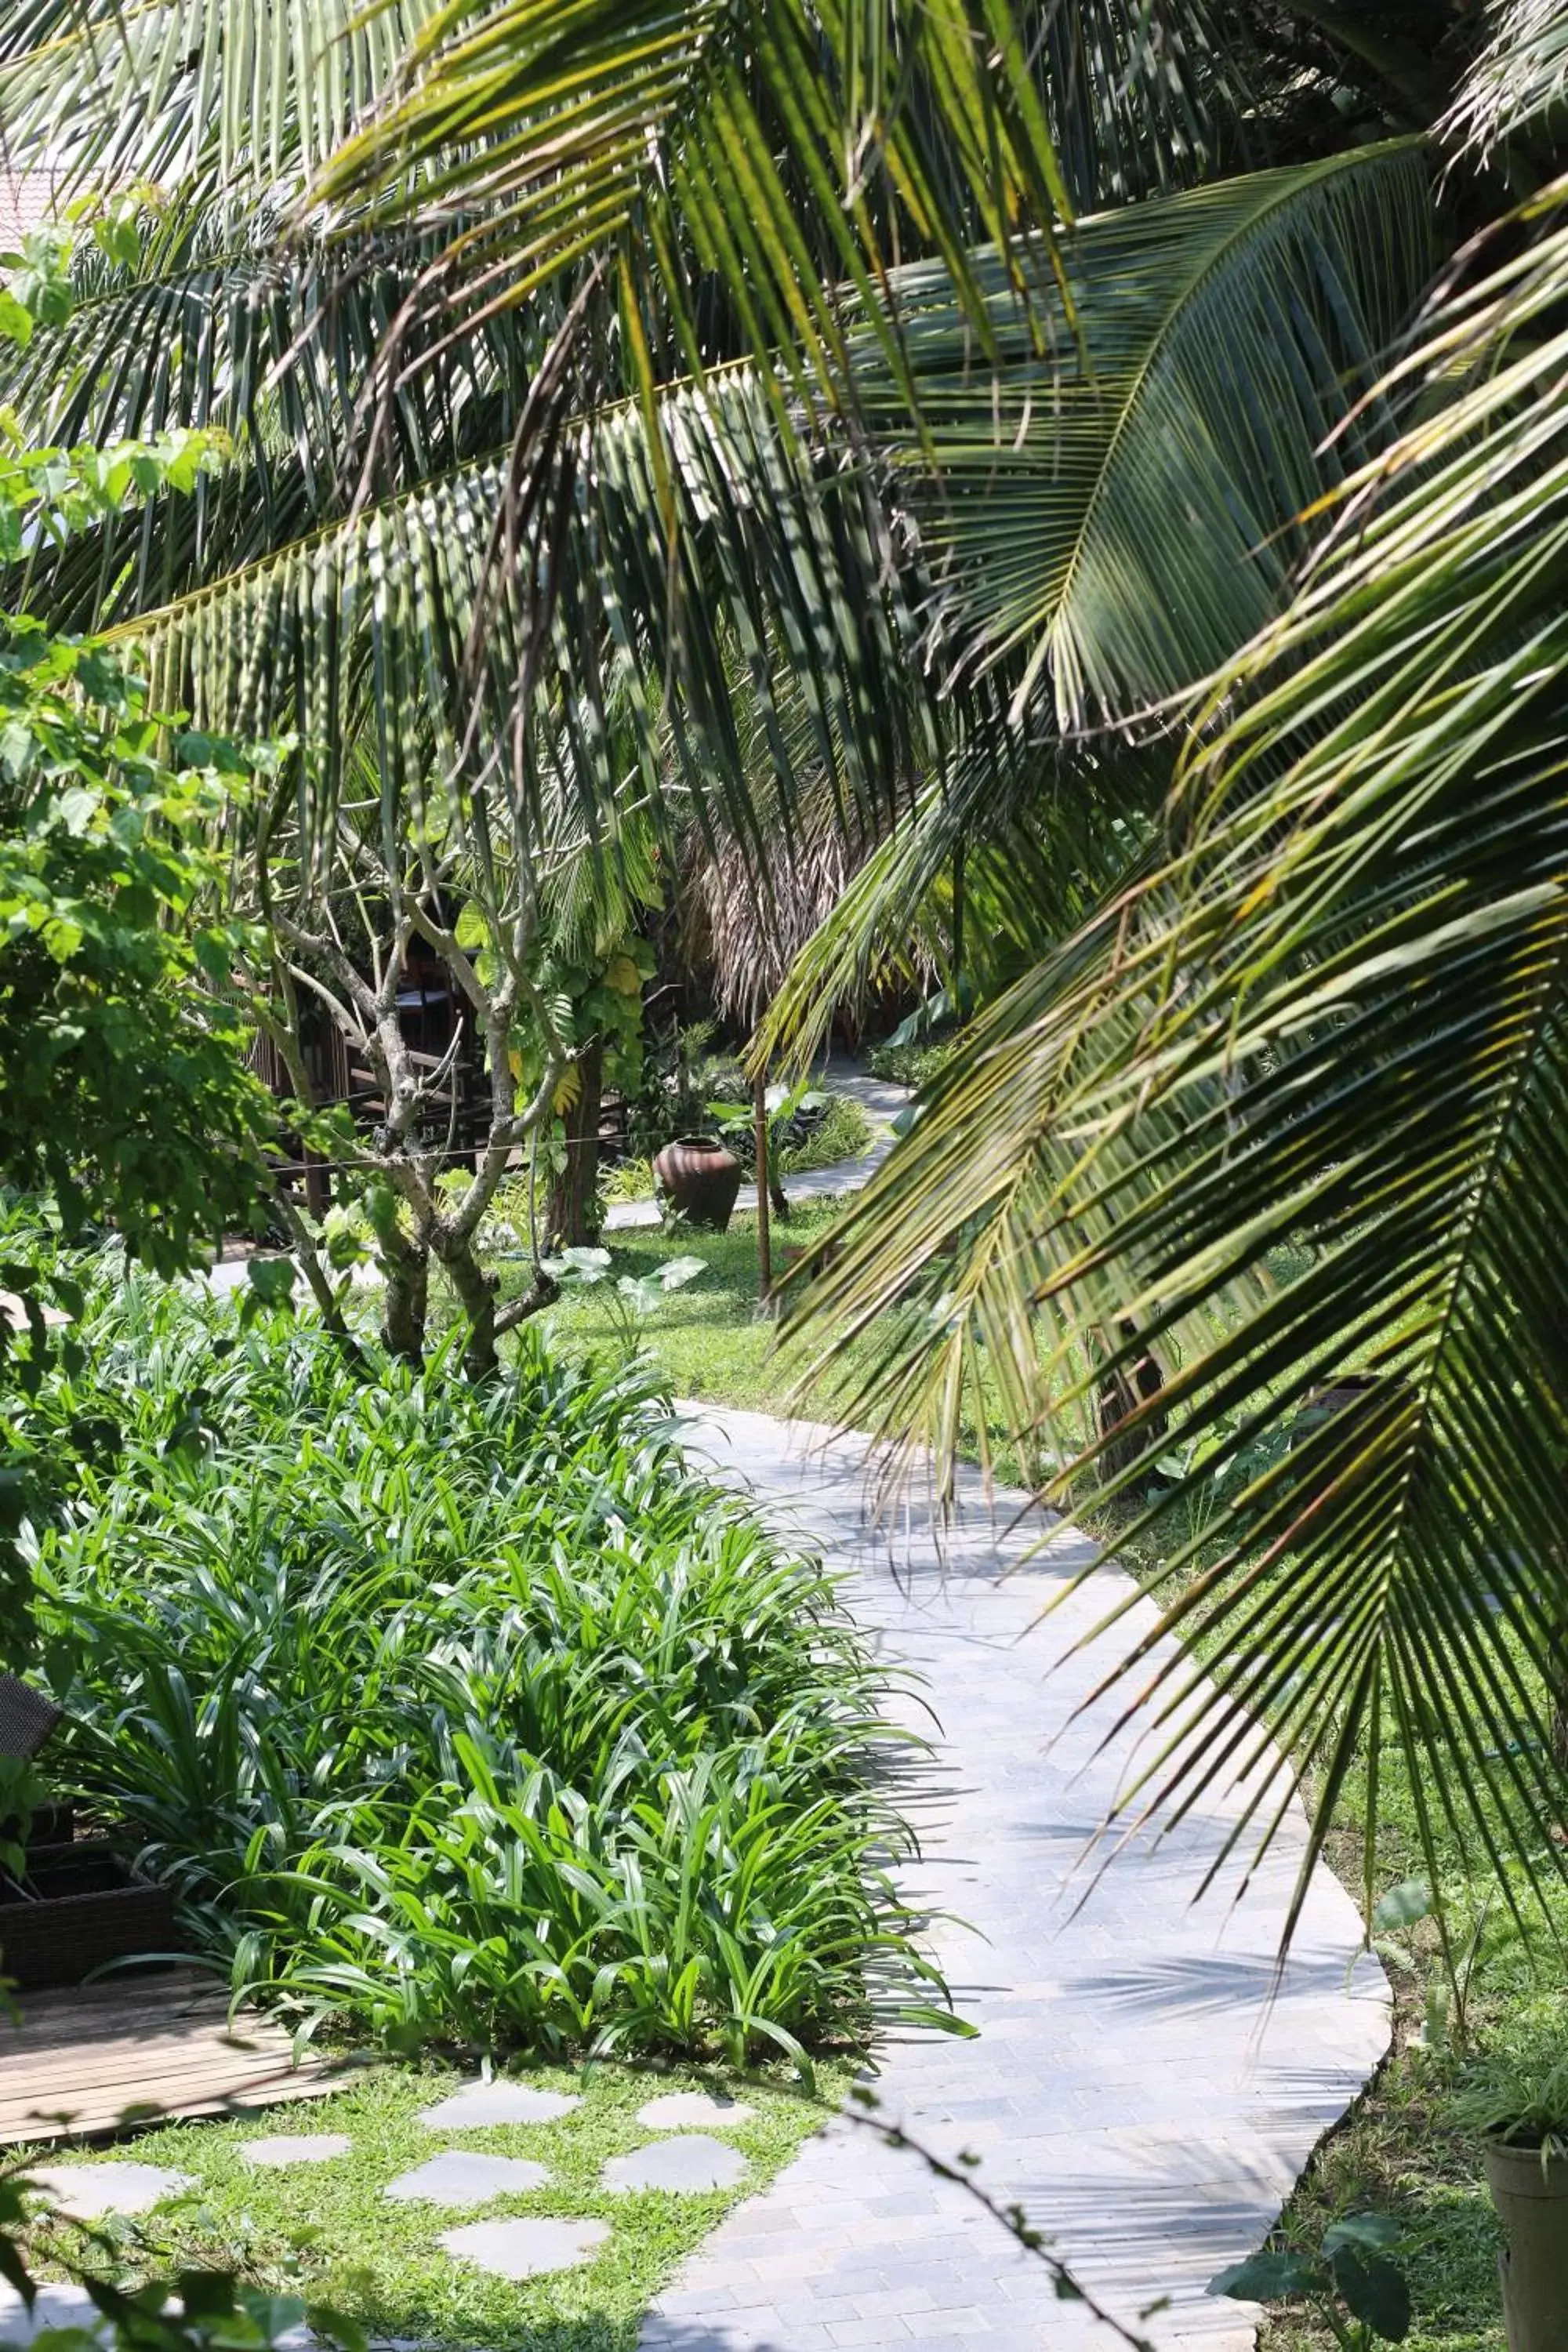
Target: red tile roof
point(26, 202)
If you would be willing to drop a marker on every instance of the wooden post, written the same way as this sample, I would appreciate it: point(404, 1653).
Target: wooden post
point(764, 1250)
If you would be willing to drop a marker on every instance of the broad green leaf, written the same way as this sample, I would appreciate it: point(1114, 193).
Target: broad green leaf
point(1268, 2277)
point(1375, 2292)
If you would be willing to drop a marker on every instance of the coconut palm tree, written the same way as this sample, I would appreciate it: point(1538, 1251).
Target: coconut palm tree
point(1291, 1108)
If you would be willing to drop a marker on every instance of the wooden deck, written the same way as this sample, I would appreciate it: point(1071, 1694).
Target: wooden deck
point(104, 2057)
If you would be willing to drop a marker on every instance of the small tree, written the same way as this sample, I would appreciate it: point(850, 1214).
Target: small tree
point(344, 886)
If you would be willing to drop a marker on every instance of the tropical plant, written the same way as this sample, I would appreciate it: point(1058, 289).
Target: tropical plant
point(631, 1298)
point(123, 1086)
point(1518, 2098)
point(123, 1089)
point(595, 459)
point(462, 1712)
point(440, 403)
point(1291, 1106)
point(1360, 2291)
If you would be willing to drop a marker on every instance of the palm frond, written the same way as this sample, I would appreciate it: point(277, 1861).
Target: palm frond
point(1140, 98)
point(239, 94)
point(1119, 528)
point(1296, 1105)
point(1521, 78)
point(1039, 831)
point(399, 620)
point(218, 326)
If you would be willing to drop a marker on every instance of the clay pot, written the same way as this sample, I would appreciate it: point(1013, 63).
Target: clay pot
point(700, 1178)
point(1532, 2201)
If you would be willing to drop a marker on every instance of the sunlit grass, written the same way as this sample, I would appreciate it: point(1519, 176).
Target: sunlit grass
point(326, 2233)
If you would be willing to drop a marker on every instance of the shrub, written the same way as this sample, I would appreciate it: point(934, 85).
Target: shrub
point(909, 1065)
point(464, 1713)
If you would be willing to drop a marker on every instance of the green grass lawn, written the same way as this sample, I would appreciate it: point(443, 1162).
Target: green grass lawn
point(709, 1340)
point(326, 2233)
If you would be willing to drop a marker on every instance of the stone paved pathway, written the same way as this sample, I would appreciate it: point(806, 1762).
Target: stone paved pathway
point(1133, 2085)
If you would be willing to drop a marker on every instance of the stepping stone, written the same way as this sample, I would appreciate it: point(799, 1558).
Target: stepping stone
point(520, 2249)
point(306, 2148)
point(85, 2192)
point(479, 2104)
point(689, 2110)
point(461, 2177)
point(686, 2167)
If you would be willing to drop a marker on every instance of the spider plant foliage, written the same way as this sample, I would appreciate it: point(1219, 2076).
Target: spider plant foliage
point(1296, 1104)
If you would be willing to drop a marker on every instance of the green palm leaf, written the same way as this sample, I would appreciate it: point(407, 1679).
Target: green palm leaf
point(216, 326)
point(1299, 1103)
point(1121, 529)
point(247, 94)
point(1521, 78)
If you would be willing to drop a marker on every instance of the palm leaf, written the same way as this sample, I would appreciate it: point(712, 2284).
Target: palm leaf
point(1296, 1105)
point(391, 620)
point(214, 326)
point(239, 94)
point(1520, 80)
point(1121, 529)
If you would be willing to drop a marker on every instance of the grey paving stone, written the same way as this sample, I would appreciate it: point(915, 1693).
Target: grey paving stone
point(57, 2306)
point(477, 2105)
point(462, 2176)
point(684, 2167)
point(1139, 2083)
point(86, 2191)
point(284, 2149)
point(520, 2250)
point(692, 2111)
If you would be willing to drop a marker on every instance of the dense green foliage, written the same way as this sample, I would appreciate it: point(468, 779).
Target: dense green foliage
point(462, 1713)
point(123, 1087)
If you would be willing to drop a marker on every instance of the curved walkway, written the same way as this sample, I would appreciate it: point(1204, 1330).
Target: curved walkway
point(1134, 2086)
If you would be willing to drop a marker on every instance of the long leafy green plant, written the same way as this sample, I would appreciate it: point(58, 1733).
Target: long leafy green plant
point(466, 1714)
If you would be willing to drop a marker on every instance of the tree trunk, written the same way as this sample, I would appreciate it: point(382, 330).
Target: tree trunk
point(405, 1299)
point(476, 1289)
point(1557, 1688)
point(765, 1188)
point(575, 1195)
point(1130, 1389)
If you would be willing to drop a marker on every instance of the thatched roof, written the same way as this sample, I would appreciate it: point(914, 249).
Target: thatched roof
point(745, 932)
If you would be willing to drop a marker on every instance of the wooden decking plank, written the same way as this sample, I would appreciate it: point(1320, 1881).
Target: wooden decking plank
point(54, 2016)
point(162, 2043)
point(101, 2073)
point(164, 2035)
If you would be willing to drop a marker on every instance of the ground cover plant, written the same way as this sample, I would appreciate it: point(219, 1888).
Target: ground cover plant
point(325, 2234)
point(462, 1712)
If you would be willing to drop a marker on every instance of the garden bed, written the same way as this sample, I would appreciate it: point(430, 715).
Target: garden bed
point(465, 1714)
